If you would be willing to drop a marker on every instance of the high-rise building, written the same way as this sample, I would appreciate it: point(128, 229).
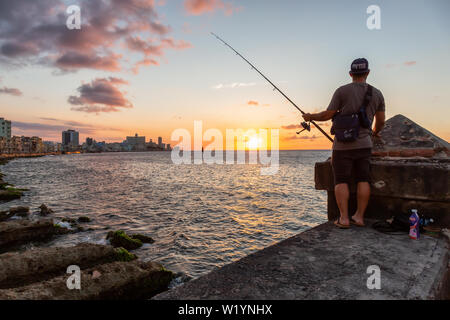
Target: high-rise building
point(136, 143)
point(5, 128)
point(159, 142)
point(70, 137)
point(89, 141)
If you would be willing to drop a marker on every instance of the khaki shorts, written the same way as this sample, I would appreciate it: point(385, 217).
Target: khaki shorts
point(348, 162)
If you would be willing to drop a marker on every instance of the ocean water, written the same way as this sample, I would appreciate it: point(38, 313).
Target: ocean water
point(201, 216)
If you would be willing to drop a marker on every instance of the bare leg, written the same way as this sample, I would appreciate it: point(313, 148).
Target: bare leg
point(363, 196)
point(342, 194)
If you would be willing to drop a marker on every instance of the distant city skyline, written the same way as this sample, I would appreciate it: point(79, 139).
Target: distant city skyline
point(164, 70)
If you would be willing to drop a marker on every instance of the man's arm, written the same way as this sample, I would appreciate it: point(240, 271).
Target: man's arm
point(321, 116)
point(329, 113)
point(380, 118)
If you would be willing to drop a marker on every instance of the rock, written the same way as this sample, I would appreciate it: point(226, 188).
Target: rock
point(45, 211)
point(182, 278)
point(4, 215)
point(69, 220)
point(10, 193)
point(62, 227)
point(142, 238)
point(20, 231)
point(120, 239)
point(122, 254)
point(402, 137)
point(21, 268)
point(96, 274)
point(20, 211)
point(117, 280)
point(84, 219)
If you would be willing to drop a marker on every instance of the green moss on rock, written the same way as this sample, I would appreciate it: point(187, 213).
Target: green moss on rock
point(120, 239)
point(123, 254)
point(143, 238)
point(159, 280)
point(10, 193)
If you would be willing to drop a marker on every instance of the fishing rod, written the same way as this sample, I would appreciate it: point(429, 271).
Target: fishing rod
point(304, 124)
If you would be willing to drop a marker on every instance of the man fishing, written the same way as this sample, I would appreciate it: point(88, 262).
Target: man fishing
point(353, 108)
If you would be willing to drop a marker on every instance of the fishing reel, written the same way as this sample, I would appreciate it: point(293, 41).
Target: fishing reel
point(306, 126)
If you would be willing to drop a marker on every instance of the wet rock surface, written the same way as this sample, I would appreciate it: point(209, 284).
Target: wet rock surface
point(5, 215)
point(84, 219)
point(15, 232)
point(45, 211)
point(41, 272)
point(19, 268)
point(120, 239)
point(143, 238)
point(116, 280)
point(20, 211)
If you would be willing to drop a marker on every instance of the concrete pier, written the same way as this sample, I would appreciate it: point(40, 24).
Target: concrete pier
point(330, 263)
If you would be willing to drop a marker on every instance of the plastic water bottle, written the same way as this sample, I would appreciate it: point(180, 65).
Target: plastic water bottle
point(414, 224)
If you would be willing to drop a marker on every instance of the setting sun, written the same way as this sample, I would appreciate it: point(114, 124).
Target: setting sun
point(253, 143)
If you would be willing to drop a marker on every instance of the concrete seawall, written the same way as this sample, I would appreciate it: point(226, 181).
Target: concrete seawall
point(330, 263)
point(398, 185)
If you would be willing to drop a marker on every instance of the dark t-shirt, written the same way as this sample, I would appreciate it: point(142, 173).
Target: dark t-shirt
point(348, 99)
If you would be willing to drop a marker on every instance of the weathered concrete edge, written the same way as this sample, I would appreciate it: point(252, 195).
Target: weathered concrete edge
point(437, 288)
point(441, 288)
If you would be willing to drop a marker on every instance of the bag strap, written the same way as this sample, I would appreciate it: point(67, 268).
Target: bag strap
point(367, 97)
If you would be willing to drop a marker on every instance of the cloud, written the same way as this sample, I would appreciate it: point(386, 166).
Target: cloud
point(33, 126)
point(301, 137)
point(233, 85)
point(409, 63)
point(11, 91)
point(74, 60)
point(35, 32)
point(101, 95)
point(12, 49)
point(199, 7)
point(291, 127)
point(81, 126)
point(406, 63)
point(256, 103)
point(151, 49)
point(298, 126)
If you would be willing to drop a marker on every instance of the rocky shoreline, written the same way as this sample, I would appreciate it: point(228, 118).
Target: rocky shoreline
point(106, 271)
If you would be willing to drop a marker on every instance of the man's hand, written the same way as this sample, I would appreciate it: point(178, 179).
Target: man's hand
point(321, 116)
point(307, 117)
